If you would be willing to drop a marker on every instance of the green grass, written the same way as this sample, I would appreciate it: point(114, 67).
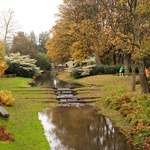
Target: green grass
point(23, 122)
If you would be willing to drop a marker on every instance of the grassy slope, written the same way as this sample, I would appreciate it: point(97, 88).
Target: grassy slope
point(23, 122)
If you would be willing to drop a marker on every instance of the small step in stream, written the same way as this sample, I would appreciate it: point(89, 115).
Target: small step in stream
point(66, 97)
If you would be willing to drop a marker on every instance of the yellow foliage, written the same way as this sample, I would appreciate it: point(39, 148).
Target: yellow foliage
point(147, 72)
point(6, 98)
point(3, 67)
point(2, 50)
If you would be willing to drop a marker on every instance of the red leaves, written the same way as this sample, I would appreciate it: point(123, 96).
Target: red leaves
point(5, 135)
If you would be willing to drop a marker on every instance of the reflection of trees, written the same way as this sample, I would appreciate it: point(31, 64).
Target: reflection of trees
point(83, 129)
point(47, 79)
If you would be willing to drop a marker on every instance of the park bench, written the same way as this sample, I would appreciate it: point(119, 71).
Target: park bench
point(8, 75)
point(3, 113)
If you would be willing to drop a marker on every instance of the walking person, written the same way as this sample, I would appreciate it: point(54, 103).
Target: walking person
point(121, 71)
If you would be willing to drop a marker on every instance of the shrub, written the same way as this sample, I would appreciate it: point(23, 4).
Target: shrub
point(76, 73)
point(22, 65)
point(105, 69)
point(43, 62)
point(136, 111)
point(97, 69)
point(6, 98)
point(3, 67)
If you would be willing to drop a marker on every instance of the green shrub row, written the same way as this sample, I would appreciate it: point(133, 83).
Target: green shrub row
point(95, 70)
point(105, 69)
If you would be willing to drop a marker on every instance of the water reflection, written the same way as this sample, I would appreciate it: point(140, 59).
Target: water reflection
point(81, 129)
point(49, 79)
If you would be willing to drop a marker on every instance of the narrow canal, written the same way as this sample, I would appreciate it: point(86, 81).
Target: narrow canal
point(78, 127)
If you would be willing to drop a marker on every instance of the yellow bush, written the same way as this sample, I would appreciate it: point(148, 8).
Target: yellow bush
point(3, 67)
point(6, 98)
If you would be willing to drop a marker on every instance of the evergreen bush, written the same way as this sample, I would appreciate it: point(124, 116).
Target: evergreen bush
point(105, 69)
point(43, 62)
point(76, 73)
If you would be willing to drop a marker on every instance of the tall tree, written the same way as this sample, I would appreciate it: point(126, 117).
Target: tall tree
point(23, 45)
point(74, 30)
point(8, 26)
point(43, 38)
point(58, 45)
point(33, 38)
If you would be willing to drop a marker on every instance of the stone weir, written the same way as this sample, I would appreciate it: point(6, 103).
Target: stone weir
point(67, 97)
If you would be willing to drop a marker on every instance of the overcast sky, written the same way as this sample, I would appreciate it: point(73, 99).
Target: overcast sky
point(33, 15)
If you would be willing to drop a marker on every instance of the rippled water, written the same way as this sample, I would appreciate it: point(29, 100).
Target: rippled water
point(82, 128)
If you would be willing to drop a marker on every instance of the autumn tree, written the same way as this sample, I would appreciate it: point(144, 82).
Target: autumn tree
point(73, 31)
point(58, 46)
point(23, 45)
point(83, 24)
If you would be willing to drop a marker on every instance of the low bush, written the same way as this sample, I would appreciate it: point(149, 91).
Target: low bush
point(6, 98)
point(76, 73)
point(136, 111)
point(105, 69)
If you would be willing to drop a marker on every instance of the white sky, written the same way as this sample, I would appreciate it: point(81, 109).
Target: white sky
point(33, 15)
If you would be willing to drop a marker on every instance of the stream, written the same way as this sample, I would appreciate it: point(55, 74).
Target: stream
point(78, 128)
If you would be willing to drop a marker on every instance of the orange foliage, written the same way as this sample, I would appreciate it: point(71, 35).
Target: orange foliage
point(147, 72)
point(3, 67)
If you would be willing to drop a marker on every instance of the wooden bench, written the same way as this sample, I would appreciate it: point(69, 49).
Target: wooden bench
point(8, 75)
point(3, 113)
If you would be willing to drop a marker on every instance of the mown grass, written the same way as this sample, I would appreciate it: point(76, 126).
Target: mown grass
point(23, 122)
point(114, 90)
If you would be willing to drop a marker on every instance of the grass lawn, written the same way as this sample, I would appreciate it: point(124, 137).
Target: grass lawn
point(23, 122)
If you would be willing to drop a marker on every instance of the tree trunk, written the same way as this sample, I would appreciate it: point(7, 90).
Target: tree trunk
point(114, 58)
point(133, 77)
point(143, 79)
point(127, 58)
